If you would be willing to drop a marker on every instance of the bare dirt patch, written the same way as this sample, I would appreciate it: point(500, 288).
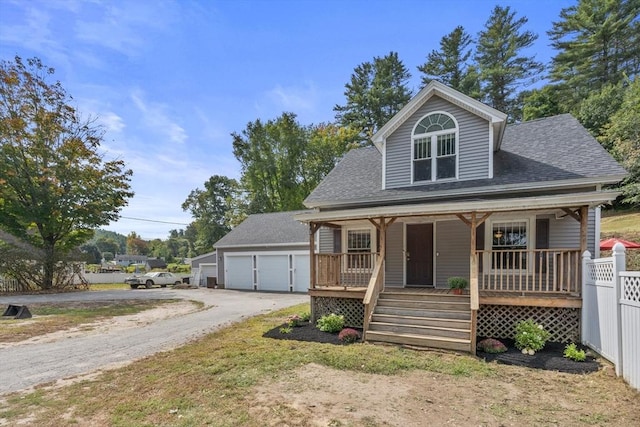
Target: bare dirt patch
point(315, 395)
point(137, 320)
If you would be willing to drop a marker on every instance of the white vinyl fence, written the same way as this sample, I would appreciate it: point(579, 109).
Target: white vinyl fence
point(8, 284)
point(611, 312)
point(95, 278)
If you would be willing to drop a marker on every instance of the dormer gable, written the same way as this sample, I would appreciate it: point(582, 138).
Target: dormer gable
point(440, 135)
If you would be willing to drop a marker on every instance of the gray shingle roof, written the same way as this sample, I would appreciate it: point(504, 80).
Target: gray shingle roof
point(540, 151)
point(277, 228)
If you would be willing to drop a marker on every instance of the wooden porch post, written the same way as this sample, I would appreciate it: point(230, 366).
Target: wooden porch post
point(473, 265)
point(313, 227)
point(381, 225)
point(584, 228)
point(474, 292)
point(582, 216)
point(376, 283)
point(474, 222)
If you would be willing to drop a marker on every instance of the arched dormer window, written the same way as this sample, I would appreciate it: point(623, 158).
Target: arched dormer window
point(435, 148)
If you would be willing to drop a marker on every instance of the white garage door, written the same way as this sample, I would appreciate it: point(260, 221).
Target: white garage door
point(301, 273)
point(273, 272)
point(238, 271)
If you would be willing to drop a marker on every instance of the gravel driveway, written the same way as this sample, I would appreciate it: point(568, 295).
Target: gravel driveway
point(27, 365)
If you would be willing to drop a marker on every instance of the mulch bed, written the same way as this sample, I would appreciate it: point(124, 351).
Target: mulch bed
point(306, 332)
point(550, 358)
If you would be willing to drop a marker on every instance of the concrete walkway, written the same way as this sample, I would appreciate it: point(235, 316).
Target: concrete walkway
point(27, 365)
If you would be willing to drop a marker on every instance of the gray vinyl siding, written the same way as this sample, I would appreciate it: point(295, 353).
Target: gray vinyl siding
point(564, 233)
point(394, 271)
point(452, 251)
point(325, 235)
point(473, 145)
point(209, 259)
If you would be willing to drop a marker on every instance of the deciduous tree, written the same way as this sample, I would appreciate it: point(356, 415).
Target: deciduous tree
point(55, 185)
point(543, 102)
point(623, 135)
point(209, 209)
point(136, 245)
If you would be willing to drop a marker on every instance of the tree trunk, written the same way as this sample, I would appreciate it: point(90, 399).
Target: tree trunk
point(48, 266)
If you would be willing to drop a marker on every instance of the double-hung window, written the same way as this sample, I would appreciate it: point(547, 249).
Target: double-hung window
point(358, 248)
point(435, 148)
point(509, 245)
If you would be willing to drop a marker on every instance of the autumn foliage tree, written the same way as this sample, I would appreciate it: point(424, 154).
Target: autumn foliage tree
point(55, 185)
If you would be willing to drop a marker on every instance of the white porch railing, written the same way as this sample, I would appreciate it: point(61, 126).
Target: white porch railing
point(539, 270)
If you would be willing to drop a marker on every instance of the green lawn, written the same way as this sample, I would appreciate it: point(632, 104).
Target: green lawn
point(621, 224)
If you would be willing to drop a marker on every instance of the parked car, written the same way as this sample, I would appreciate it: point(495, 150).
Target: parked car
point(155, 278)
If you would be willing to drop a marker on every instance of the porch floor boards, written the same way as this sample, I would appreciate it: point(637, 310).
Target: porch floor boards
point(487, 297)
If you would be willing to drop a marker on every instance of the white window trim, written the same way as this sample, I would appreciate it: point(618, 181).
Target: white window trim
point(531, 233)
point(433, 136)
point(345, 241)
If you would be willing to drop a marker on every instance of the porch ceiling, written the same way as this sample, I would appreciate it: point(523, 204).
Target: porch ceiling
point(560, 201)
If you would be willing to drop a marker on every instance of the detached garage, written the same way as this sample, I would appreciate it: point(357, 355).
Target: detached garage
point(266, 252)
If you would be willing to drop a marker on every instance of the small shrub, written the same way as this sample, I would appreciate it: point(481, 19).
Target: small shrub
point(572, 352)
point(285, 330)
point(305, 316)
point(331, 323)
point(491, 345)
point(348, 335)
point(530, 337)
point(457, 282)
point(294, 321)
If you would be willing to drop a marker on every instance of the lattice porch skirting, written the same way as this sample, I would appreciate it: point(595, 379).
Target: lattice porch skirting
point(499, 321)
point(351, 308)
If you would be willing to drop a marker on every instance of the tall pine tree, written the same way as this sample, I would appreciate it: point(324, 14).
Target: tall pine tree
point(451, 64)
point(504, 70)
point(377, 90)
point(598, 43)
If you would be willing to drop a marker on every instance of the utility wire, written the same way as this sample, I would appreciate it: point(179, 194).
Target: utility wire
point(153, 220)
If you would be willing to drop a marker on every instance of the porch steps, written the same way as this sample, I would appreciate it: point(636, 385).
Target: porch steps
point(436, 320)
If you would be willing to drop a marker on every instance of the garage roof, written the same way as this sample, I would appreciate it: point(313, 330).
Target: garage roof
point(269, 229)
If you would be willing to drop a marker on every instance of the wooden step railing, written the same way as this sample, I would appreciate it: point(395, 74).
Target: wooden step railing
point(539, 270)
point(376, 285)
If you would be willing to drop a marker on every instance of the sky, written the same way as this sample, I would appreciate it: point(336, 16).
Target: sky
point(170, 80)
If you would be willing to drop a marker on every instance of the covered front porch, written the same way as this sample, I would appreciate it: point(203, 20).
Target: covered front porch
point(515, 265)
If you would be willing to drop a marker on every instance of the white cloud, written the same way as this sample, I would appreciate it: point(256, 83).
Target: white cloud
point(111, 121)
point(34, 34)
point(209, 129)
point(126, 27)
point(156, 117)
point(294, 98)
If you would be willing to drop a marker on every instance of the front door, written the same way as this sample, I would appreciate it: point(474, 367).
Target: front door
point(419, 255)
